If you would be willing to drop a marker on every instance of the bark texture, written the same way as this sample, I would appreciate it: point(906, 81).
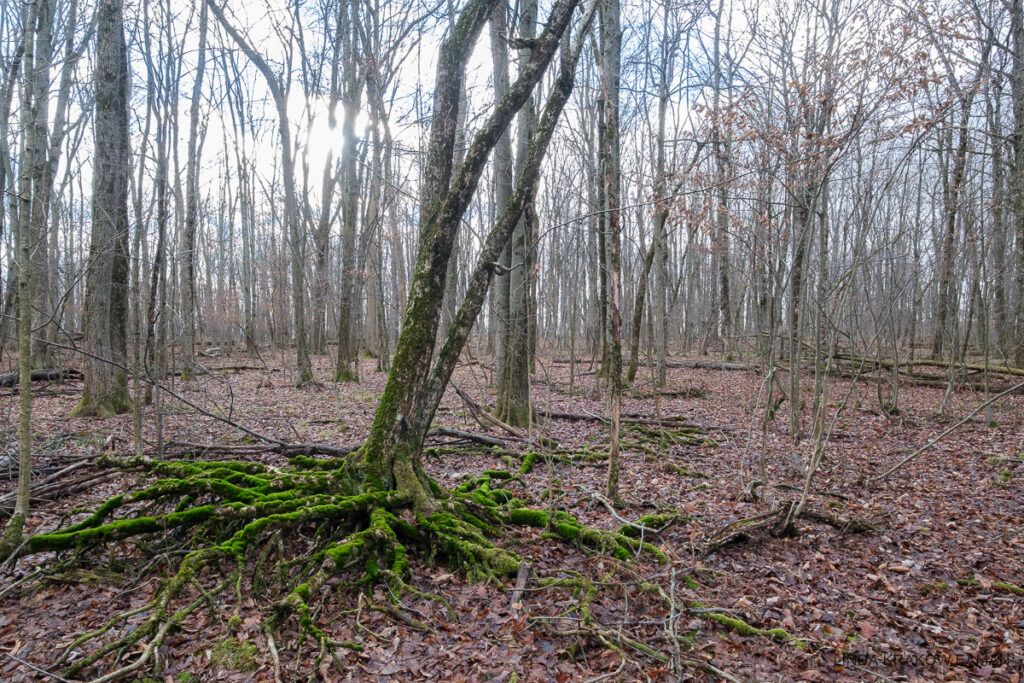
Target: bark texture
point(106, 290)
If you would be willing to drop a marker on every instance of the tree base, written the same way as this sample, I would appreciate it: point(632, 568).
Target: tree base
point(517, 416)
point(345, 375)
point(13, 536)
point(106, 407)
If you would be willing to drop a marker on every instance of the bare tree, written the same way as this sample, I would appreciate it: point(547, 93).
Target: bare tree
point(277, 84)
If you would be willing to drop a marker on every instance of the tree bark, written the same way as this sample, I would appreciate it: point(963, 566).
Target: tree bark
point(1017, 178)
point(347, 313)
point(513, 399)
point(106, 291)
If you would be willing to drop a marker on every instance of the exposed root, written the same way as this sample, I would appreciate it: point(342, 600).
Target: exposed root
point(671, 434)
point(235, 517)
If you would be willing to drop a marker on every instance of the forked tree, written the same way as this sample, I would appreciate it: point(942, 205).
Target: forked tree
point(376, 503)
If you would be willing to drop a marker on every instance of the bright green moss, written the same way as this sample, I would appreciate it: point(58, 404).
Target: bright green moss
point(741, 627)
point(685, 472)
point(529, 517)
point(234, 654)
point(744, 629)
point(1008, 588)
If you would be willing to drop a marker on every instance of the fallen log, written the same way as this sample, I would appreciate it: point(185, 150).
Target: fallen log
point(466, 436)
point(677, 364)
point(10, 379)
point(931, 363)
point(627, 418)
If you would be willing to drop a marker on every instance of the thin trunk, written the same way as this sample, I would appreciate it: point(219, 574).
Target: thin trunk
point(348, 310)
point(188, 241)
point(611, 35)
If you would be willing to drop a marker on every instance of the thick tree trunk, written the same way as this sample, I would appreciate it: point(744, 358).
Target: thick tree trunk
point(504, 176)
point(1017, 179)
point(801, 213)
point(946, 307)
point(106, 290)
point(36, 104)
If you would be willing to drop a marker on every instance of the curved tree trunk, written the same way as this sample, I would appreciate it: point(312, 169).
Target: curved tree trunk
point(295, 235)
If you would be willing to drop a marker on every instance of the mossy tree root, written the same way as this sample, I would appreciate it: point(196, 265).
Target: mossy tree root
point(231, 512)
point(671, 435)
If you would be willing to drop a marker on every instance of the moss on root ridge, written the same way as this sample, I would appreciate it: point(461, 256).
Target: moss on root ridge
point(234, 654)
point(744, 629)
point(12, 536)
point(230, 513)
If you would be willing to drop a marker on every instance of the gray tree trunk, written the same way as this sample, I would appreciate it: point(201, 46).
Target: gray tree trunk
point(188, 236)
point(106, 290)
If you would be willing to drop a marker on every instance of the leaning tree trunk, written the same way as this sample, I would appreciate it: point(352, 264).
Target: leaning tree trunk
point(106, 286)
point(390, 458)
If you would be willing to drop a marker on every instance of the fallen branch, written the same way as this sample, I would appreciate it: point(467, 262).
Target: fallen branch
point(482, 416)
point(676, 364)
point(522, 581)
point(627, 418)
point(944, 434)
point(466, 436)
point(777, 523)
point(930, 363)
point(35, 489)
point(633, 644)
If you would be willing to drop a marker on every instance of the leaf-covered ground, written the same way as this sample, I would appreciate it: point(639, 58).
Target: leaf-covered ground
point(932, 594)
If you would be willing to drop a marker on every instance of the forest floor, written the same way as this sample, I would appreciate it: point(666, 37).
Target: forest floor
point(933, 593)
